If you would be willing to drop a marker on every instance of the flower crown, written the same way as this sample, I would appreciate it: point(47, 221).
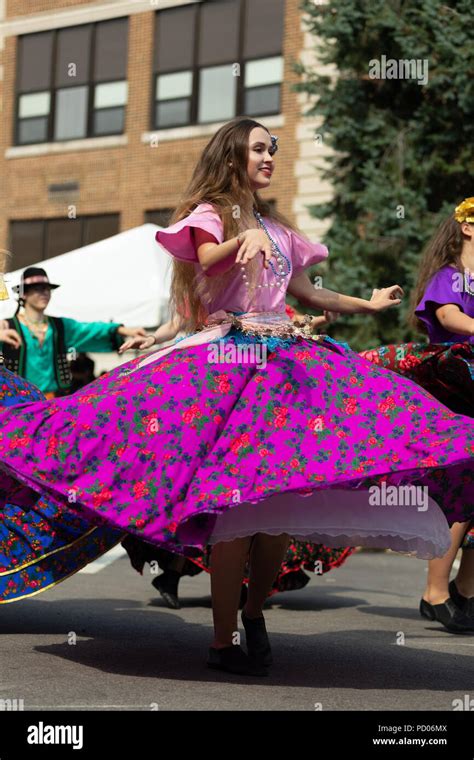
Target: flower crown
point(465, 211)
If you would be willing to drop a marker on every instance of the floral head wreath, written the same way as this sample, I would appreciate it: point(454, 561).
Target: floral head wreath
point(465, 211)
point(274, 143)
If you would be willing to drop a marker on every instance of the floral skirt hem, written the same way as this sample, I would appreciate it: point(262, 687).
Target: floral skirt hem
point(446, 370)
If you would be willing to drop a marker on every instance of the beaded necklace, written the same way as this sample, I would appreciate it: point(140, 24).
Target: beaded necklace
point(283, 262)
point(467, 281)
point(38, 327)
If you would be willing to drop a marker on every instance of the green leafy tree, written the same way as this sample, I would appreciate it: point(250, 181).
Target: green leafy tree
point(402, 153)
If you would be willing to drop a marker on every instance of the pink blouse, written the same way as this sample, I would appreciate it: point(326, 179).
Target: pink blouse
point(178, 240)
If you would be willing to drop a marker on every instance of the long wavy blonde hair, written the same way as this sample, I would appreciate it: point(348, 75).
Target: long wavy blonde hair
point(227, 188)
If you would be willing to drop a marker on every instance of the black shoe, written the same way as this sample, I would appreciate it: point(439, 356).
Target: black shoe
point(243, 596)
point(458, 599)
point(258, 645)
point(234, 660)
point(168, 588)
point(453, 619)
point(469, 609)
point(465, 603)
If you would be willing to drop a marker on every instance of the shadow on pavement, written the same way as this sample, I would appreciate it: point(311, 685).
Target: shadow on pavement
point(128, 638)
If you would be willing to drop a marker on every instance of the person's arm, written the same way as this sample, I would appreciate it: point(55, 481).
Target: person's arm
point(164, 333)
point(169, 330)
point(211, 253)
point(216, 258)
point(328, 300)
point(130, 332)
point(99, 337)
point(454, 320)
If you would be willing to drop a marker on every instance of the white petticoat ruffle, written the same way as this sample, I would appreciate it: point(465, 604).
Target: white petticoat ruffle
point(340, 518)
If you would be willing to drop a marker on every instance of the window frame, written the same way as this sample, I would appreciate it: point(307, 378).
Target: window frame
point(53, 88)
point(44, 222)
point(196, 69)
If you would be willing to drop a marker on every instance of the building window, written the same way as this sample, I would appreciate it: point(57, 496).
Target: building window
point(215, 60)
point(160, 216)
point(72, 83)
point(262, 85)
point(39, 239)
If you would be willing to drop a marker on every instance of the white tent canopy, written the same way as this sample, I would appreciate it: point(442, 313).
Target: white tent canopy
point(125, 278)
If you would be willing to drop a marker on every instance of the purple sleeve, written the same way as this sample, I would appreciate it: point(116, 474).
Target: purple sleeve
point(304, 253)
point(178, 239)
point(444, 287)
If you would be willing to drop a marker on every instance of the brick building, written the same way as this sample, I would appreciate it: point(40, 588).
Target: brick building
point(105, 106)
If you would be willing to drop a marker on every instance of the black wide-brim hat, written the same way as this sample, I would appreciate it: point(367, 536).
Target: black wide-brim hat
point(33, 276)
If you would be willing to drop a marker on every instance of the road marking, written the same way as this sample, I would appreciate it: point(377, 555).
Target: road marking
point(86, 707)
point(418, 644)
point(106, 559)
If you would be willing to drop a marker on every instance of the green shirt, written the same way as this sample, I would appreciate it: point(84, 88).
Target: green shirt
point(78, 336)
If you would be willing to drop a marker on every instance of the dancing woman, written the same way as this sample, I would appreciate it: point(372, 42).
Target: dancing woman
point(443, 307)
point(301, 437)
point(300, 555)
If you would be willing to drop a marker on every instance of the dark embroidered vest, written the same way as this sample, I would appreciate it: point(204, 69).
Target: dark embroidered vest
point(15, 358)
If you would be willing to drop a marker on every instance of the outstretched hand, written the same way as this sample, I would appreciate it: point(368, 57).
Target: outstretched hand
point(137, 342)
point(384, 298)
point(254, 241)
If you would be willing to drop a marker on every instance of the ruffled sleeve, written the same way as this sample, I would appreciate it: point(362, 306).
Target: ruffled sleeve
point(443, 288)
point(304, 253)
point(178, 239)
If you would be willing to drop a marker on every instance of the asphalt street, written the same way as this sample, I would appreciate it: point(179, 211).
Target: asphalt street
point(351, 640)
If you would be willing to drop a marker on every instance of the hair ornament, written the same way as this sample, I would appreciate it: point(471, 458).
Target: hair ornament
point(465, 211)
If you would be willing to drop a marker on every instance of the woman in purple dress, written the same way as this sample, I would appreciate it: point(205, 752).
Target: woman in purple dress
point(248, 430)
point(443, 307)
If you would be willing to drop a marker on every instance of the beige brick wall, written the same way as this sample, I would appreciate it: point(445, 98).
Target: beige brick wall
point(24, 7)
point(131, 178)
point(311, 151)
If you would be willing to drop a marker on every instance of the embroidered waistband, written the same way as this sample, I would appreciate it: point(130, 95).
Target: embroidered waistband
point(264, 323)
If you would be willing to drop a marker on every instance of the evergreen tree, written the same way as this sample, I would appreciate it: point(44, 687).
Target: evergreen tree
point(403, 152)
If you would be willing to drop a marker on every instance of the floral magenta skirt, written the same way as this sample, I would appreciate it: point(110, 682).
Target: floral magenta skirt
point(166, 450)
point(41, 542)
point(446, 370)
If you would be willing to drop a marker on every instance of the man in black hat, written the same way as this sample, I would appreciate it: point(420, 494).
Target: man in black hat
point(44, 346)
